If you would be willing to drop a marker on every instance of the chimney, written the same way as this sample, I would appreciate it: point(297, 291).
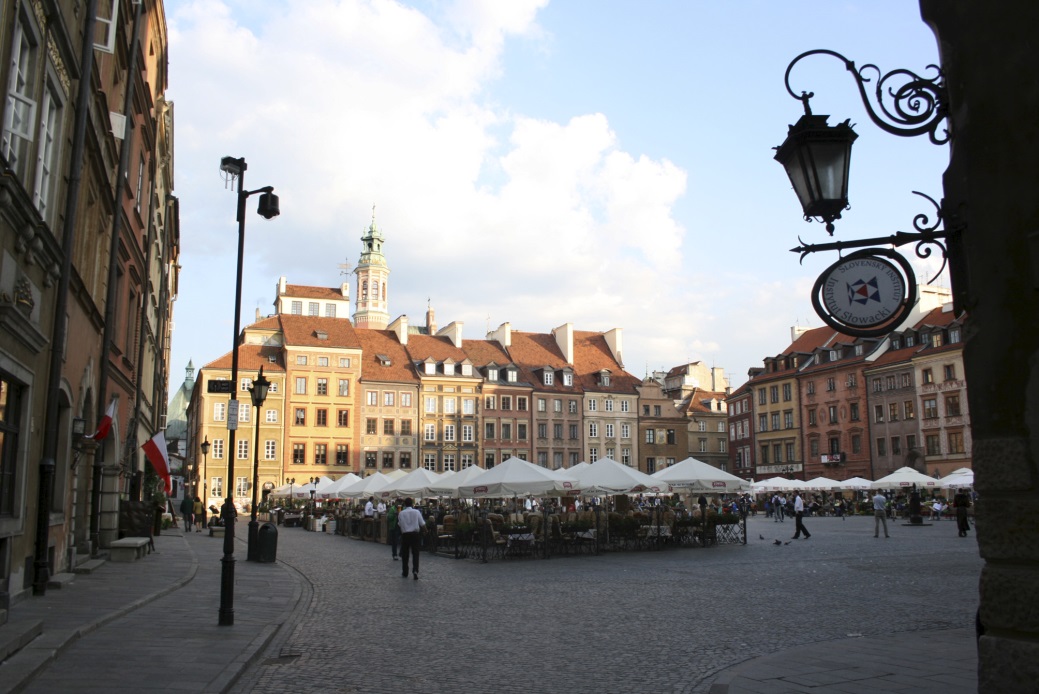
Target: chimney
point(503, 335)
point(400, 327)
point(452, 331)
point(281, 285)
point(564, 335)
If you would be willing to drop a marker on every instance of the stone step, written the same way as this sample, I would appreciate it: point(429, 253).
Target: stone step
point(60, 580)
point(89, 566)
point(17, 634)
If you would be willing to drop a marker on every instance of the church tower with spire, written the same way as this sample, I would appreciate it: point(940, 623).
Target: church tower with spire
point(372, 279)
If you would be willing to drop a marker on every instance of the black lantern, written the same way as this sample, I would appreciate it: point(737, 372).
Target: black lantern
point(817, 158)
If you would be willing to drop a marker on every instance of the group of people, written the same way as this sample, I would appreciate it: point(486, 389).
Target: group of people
point(193, 512)
point(404, 523)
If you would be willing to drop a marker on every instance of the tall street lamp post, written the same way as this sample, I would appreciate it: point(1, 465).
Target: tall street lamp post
point(268, 209)
point(204, 447)
point(258, 391)
point(313, 491)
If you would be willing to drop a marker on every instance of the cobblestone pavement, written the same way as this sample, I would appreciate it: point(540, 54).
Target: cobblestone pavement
point(670, 621)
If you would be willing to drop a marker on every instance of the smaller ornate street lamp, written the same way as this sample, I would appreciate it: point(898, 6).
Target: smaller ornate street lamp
point(258, 391)
point(313, 490)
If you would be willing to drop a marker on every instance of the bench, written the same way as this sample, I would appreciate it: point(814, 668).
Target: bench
point(129, 548)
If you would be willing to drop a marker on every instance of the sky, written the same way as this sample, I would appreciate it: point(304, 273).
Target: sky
point(595, 162)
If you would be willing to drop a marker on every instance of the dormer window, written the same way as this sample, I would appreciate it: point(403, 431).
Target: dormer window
point(858, 350)
point(568, 379)
point(510, 375)
point(605, 378)
point(467, 369)
point(492, 374)
point(834, 355)
point(549, 377)
point(382, 359)
point(896, 343)
point(431, 368)
point(321, 334)
point(910, 341)
point(449, 368)
point(954, 335)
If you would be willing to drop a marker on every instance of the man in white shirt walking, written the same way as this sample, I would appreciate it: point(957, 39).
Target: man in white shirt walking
point(799, 512)
point(880, 513)
point(410, 522)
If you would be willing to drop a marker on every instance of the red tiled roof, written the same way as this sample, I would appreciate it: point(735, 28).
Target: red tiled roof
point(423, 347)
point(894, 356)
point(376, 343)
point(250, 358)
point(304, 292)
point(592, 355)
point(697, 397)
point(301, 331)
point(484, 352)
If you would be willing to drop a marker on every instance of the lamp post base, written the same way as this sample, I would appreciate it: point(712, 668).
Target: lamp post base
point(252, 552)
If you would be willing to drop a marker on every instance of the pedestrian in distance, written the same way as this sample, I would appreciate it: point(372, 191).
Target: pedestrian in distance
point(799, 512)
point(392, 528)
point(369, 508)
point(961, 502)
point(187, 509)
point(410, 522)
point(199, 511)
point(880, 514)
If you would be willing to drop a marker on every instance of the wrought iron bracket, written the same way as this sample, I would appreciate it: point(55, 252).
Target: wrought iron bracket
point(916, 105)
point(924, 236)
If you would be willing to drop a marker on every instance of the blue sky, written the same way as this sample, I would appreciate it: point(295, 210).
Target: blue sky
point(604, 163)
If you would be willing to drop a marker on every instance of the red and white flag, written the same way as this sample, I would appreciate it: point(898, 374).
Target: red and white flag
point(105, 425)
point(155, 450)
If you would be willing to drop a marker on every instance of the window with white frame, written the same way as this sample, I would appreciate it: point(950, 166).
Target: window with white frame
point(573, 406)
point(541, 405)
point(609, 404)
point(568, 379)
point(272, 416)
point(430, 432)
point(46, 157)
point(593, 405)
point(449, 432)
point(296, 308)
point(548, 378)
point(609, 433)
point(510, 375)
point(492, 374)
point(467, 460)
point(20, 111)
point(313, 308)
point(219, 411)
point(344, 362)
point(216, 487)
point(431, 405)
point(270, 449)
point(405, 399)
point(388, 398)
point(429, 461)
point(450, 405)
point(557, 405)
point(468, 406)
point(593, 430)
point(218, 449)
point(301, 360)
point(244, 411)
point(301, 385)
point(243, 449)
point(449, 368)
point(372, 397)
point(624, 406)
point(467, 433)
point(593, 454)
point(431, 368)
point(344, 387)
point(625, 431)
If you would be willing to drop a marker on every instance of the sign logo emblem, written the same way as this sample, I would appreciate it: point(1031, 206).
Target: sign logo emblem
point(867, 293)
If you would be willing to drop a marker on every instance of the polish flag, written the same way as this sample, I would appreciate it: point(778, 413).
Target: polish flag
point(105, 425)
point(155, 450)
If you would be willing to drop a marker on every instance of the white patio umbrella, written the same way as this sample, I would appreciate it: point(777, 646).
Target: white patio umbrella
point(856, 484)
point(606, 476)
point(772, 484)
point(365, 487)
point(515, 477)
point(695, 475)
point(958, 479)
point(332, 491)
point(415, 483)
point(823, 484)
point(905, 477)
point(448, 484)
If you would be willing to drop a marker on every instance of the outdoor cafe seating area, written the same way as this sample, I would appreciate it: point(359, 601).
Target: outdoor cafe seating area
point(520, 510)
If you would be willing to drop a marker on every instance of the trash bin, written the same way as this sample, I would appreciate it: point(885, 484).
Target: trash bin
point(281, 516)
point(268, 541)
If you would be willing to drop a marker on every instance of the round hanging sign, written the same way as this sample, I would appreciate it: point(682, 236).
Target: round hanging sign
point(865, 294)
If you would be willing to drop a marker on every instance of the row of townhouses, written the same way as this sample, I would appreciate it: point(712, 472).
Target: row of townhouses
point(89, 247)
point(378, 395)
point(838, 406)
